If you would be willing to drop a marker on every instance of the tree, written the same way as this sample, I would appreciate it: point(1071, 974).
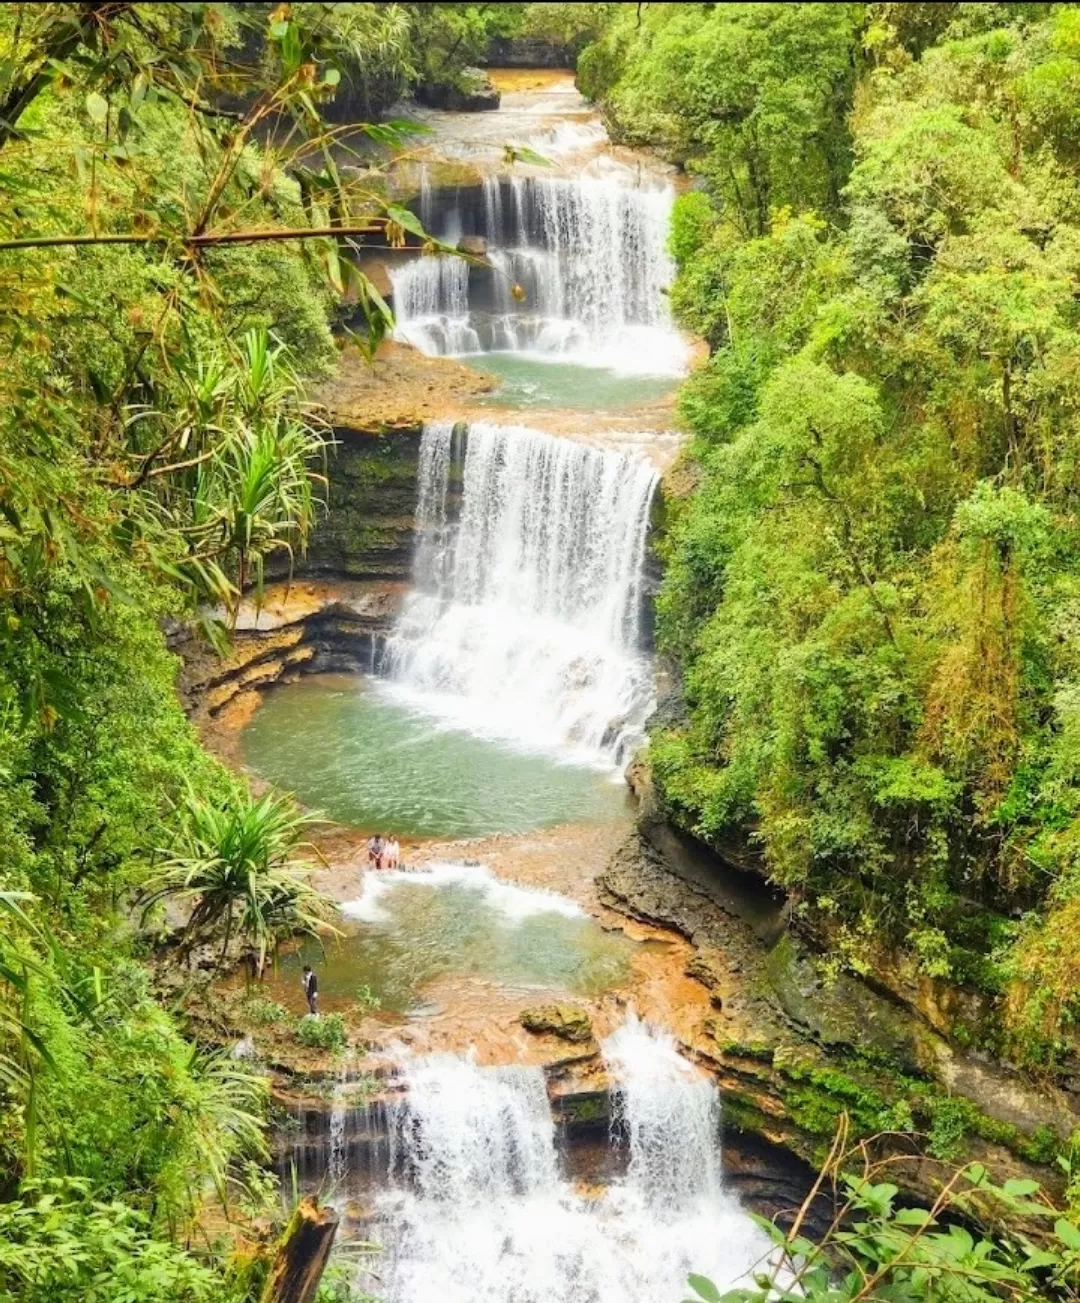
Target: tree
point(753, 97)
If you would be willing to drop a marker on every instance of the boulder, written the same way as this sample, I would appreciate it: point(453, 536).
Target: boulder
point(567, 1021)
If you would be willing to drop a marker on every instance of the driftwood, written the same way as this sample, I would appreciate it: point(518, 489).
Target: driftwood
point(301, 1255)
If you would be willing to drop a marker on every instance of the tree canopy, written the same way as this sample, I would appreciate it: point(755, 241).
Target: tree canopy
point(870, 591)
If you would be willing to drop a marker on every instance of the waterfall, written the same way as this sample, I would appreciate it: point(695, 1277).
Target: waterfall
point(463, 1135)
point(475, 1207)
point(525, 621)
point(669, 1114)
point(431, 299)
point(589, 255)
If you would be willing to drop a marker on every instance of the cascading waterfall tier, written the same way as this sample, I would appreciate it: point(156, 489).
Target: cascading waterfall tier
point(525, 620)
point(668, 1114)
point(473, 1205)
point(576, 269)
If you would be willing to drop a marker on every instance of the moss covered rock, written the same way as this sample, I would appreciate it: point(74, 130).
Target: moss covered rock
point(567, 1021)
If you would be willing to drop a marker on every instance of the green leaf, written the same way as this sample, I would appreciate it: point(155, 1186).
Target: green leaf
point(704, 1288)
point(406, 219)
point(1067, 1233)
point(1041, 1258)
point(98, 108)
point(331, 77)
point(522, 154)
point(912, 1217)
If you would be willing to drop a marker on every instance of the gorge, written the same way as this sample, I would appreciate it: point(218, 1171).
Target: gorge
point(504, 691)
point(625, 455)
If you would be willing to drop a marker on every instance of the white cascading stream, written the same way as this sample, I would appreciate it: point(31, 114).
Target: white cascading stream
point(667, 1112)
point(524, 622)
point(591, 257)
point(433, 294)
point(475, 1208)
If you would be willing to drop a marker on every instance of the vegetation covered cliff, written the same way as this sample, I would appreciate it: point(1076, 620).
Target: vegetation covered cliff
point(871, 589)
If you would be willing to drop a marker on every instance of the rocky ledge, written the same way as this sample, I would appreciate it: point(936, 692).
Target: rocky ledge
point(300, 628)
point(794, 1045)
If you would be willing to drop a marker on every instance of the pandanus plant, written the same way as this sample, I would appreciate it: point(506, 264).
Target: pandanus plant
point(245, 468)
point(242, 866)
point(257, 494)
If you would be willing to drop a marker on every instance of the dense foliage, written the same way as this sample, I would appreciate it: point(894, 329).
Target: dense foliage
point(163, 305)
point(872, 589)
point(978, 1242)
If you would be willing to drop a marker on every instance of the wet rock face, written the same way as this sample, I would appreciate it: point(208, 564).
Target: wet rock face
point(529, 52)
point(567, 1021)
point(793, 1044)
point(840, 1011)
point(369, 528)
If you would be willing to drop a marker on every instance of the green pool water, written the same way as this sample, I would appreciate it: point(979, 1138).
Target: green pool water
point(527, 382)
point(457, 920)
point(347, 747)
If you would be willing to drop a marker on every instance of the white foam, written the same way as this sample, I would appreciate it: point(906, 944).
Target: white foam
point(515, 904)
point(525, 622)
point(477, 1210)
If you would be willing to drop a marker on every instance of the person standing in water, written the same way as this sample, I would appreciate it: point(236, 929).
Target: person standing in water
point(310, 984)
point(391, 853)
point(375, 848)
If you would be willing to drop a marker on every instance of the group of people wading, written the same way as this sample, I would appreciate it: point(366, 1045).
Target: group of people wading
point(383, 852)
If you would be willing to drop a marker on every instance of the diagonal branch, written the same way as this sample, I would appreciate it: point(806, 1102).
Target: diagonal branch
point(198, 240)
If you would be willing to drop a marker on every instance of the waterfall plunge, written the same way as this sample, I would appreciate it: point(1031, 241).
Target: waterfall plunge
point(478, 1212)
point(590, 256)
point(524, 623)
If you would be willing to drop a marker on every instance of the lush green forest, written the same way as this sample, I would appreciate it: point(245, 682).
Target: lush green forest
point(871, 592)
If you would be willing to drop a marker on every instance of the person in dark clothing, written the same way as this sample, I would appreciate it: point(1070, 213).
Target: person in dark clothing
point(310, 984)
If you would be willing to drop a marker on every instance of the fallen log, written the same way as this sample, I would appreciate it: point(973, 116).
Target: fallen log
point(302, 1254)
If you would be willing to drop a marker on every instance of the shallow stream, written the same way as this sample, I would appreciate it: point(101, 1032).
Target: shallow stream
point(406, 930)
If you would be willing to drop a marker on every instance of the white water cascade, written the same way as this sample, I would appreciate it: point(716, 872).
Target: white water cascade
point(666, 1110)
point(337, 1160)
point(524, 624)
point(576, 270)
point(475, 1208)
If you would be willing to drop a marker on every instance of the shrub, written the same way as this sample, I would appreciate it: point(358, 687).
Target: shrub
point(261, 1010)
point(366, 999)
point(322, 1032)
